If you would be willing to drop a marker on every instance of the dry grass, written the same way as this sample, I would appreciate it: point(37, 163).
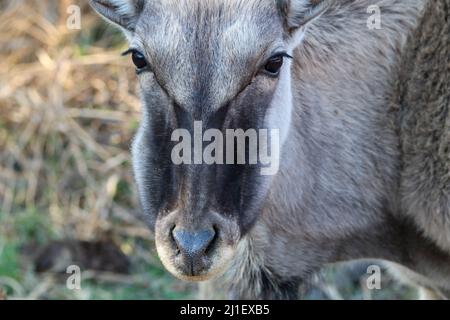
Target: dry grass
point(67, 115)
point(68, 111)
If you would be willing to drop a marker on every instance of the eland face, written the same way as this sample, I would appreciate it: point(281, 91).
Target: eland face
point(213, 65)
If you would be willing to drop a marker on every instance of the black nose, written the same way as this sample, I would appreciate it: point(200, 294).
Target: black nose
point(193, 245)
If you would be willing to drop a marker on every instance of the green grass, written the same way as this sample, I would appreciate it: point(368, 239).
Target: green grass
point(148, 278)
point(146, 281)
point(9, 260)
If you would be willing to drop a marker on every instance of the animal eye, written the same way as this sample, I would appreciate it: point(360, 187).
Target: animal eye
point(139, 60)
point(274, 65)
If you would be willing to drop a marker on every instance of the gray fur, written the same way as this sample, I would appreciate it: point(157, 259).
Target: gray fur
point(365, 170)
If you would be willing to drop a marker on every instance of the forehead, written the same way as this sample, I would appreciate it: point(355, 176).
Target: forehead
point(207, 48)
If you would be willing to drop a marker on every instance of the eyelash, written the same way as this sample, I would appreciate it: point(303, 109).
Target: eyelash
point(133, 52)
point(283, 54)
point(275, 62)
point(146, 67)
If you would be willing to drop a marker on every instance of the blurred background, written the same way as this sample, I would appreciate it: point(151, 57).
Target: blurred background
point(68, 110)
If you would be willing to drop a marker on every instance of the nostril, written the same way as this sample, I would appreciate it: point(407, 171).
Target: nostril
point(172, 238)
point(193, 244)
point(213, 241)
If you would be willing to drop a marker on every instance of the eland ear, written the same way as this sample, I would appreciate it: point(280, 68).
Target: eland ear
point(299, 13)
point(124, 13)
